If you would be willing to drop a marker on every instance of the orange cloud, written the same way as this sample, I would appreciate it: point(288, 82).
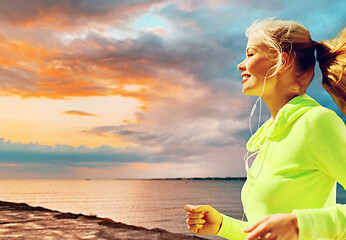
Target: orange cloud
point(15, 53)
point(87, 67)
point(9, 165)
point(131, 121)
point(58, 77)
point(80, 113)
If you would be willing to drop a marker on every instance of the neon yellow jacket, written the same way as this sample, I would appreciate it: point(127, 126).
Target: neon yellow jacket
point(302, 155)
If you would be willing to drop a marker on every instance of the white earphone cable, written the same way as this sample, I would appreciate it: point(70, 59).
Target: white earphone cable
point(247, 156)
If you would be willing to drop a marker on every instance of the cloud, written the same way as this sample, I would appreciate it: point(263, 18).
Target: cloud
point(33, 153)
point(19, 157)
point(95, 64)
point(67, 14)
point(20, 160)
point(180, 68)
point(187, 128)
point(89, 68)
point(98, 65)
point(79, 113)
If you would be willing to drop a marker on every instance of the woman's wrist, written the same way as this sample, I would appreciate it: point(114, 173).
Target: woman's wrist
point(220, 224)
point(294, 221)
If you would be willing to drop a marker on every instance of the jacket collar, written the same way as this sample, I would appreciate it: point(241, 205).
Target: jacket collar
point(286, 116)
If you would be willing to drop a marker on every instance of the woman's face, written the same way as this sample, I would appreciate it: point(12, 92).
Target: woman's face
point(255, 67)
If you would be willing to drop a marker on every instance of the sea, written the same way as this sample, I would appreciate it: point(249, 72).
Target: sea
point(146, 203)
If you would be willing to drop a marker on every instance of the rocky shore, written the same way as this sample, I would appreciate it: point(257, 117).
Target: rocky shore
point(20, 221)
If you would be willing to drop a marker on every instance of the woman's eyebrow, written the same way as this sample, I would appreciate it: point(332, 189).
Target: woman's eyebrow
point(252, 48)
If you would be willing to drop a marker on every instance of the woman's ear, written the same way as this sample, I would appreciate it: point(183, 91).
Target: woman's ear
point(286, 63)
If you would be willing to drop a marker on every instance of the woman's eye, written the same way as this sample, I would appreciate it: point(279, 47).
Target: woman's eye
point(249, 55)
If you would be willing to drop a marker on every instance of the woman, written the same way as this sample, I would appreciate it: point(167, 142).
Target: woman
point(290, 189)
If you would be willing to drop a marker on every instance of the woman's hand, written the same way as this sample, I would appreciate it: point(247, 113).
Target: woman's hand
point(283, 226)
point(203, 219)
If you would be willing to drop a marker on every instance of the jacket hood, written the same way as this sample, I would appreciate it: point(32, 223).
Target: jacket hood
point(286, 116)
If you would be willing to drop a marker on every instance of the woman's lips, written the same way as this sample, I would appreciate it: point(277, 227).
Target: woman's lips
point(245, 77)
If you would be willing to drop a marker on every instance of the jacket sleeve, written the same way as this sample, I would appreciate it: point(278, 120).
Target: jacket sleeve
point(232, 228)
point(327, 144)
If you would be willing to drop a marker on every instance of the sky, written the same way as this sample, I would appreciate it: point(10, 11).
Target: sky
point(135, 89)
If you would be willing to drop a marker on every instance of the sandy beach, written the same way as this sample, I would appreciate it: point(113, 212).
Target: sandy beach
point(21, 221)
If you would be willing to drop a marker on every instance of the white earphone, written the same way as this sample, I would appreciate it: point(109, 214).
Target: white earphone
point(247, 156)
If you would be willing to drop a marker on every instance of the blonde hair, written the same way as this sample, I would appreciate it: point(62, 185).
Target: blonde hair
point(294, 39)
point(331, 55)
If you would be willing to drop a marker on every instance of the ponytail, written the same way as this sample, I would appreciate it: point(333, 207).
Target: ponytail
point(331, 56)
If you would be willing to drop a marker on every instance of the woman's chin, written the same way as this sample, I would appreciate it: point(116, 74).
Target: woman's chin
point(248, 92)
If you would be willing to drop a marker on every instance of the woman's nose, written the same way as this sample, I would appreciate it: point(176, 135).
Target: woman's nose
point(241, 66)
